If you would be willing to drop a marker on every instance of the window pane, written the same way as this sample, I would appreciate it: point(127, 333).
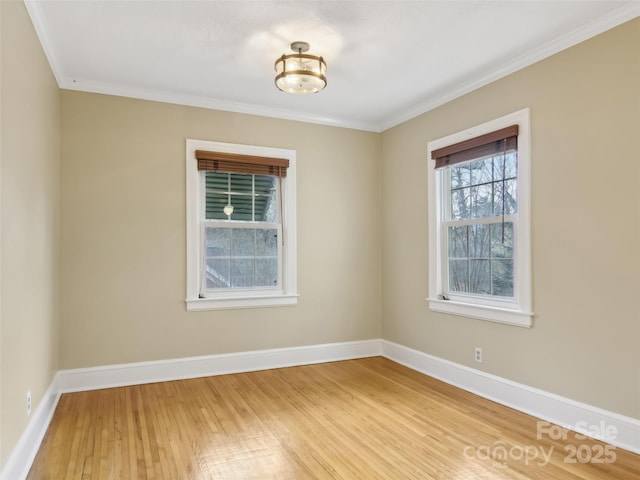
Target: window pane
point(460, 176)
point(458, 243)
point(215, 206)
point(502, 277)
point(511, 197)
point(241, 257)
point(242, 208)
point(482, 201)
point(479, 262)
point(509, 162)
point(243, 242)
point(459, 275)
point(267, 242)
point(253, 197)
point(481, 171)
point(265, 184)
point(218, 242)
point(217, 188)
point(241, 183)
point(265, 199)
point(217, 273)
point(266, 272)
point(480, 277)
point(242, 274)
point(460, 203)
point(500, 249)
point(228, 189)
point(508, 192)
point(479, 241)
point(487, 190)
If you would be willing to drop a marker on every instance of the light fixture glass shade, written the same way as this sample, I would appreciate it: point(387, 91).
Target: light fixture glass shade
point(228, 210)
point(300, 72)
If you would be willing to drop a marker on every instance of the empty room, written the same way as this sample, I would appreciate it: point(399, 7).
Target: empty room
point(319, 240)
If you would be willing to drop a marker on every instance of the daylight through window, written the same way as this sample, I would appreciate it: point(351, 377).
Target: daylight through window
point(479, 262)
point(240, 226)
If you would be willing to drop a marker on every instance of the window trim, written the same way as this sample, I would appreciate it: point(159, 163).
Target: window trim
point(287, 294)
point(518, 311)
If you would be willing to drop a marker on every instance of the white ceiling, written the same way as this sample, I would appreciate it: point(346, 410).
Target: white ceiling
point(387, 60)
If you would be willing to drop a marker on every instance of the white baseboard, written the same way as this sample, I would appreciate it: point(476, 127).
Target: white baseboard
point(544, 405)
point(22, 456)
point(193, 367)
point(65, 381)
point(567, 413)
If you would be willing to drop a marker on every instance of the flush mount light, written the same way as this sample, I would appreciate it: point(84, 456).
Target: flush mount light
point(300, 72)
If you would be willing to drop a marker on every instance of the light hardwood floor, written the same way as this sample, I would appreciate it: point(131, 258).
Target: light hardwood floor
point(360, 419)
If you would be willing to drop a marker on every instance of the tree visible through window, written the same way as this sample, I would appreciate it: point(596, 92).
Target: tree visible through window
point(483, 198)
point(479, 232)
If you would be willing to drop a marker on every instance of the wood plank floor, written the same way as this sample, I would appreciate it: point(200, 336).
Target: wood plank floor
point(361, 419)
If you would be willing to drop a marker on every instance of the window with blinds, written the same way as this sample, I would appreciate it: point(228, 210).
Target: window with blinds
point(243, 226)
point(480, 185)
point(479, 247)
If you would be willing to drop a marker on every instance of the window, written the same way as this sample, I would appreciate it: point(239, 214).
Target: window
point(479, 232)
point(241, 237)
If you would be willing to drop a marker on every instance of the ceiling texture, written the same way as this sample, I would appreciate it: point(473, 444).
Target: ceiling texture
point(388, 61)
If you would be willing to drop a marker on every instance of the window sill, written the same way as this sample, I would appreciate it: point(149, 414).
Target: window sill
point(483, 312)
point(226, 303)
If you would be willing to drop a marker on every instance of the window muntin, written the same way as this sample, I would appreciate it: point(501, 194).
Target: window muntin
point(471, 209)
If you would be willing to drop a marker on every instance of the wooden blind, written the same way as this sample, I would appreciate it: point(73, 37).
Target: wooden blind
point(237, 163)
point(493, 143)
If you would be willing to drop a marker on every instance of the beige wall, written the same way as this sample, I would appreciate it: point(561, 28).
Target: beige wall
point(123, 234)
point(362, 229)
point(585, 114)
point(30, 125)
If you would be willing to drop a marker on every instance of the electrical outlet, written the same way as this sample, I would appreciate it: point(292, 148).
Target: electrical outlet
point(29, 403)
point(478, 355)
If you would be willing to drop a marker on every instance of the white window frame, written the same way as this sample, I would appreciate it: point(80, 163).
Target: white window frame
point(286, 294)
point(513, 311)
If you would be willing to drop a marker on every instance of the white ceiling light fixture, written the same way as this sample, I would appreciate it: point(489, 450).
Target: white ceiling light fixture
point(300, 72)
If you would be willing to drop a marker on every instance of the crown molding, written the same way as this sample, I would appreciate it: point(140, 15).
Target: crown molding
point(569, 39)
point(611, 20)
point(208, 103)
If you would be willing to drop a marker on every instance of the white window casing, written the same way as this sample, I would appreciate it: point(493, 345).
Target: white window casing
point(286, 293)
point(516, 310)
